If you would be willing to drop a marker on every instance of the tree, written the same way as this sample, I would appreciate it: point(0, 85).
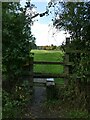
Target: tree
point(16, 40)
point(75, 18)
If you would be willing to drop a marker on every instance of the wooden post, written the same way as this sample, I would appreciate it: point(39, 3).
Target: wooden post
point(66, 60)
point(50, 88)
point(31, 74)
point(67, 40)
point(66, 68)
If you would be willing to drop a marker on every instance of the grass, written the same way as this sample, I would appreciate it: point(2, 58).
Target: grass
point(50, 56)
point(78, 114)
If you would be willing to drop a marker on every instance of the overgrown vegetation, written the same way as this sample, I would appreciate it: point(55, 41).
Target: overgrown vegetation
point(68, 101)
point(17, 42)
point(74, 17)
point(15, 103)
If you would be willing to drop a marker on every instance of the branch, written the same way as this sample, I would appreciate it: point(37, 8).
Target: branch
point(35, 16)
point(40, 14)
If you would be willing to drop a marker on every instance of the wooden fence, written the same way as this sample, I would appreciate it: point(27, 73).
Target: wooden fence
point(66, 63)
point(67, 74)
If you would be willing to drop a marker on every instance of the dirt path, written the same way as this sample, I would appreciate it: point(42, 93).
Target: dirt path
point(36, 109)
point(38, 101)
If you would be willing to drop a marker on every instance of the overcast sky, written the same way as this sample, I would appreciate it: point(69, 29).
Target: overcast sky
point(42, 29)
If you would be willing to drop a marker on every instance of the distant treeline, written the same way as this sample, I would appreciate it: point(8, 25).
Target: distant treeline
point(49, 47)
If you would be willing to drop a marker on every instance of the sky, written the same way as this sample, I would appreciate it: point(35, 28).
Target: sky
point(42, 29)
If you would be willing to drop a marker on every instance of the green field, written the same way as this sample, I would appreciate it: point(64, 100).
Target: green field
point(45, 55)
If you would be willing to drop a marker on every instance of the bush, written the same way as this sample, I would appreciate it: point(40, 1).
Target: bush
point(15, 103)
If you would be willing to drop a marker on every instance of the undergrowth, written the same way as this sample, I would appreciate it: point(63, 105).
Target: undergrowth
point(14, 103)
point(69, 101)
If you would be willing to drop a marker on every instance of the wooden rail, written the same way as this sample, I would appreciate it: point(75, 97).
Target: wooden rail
point(49, 75)
point(66, 63)
point(44, 62)
point(53, 63)
point(50, 63)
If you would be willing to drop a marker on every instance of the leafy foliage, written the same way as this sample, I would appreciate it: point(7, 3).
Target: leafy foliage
point(14, 105)
point(74, 17)
point(17, 38)
point(17, 41)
